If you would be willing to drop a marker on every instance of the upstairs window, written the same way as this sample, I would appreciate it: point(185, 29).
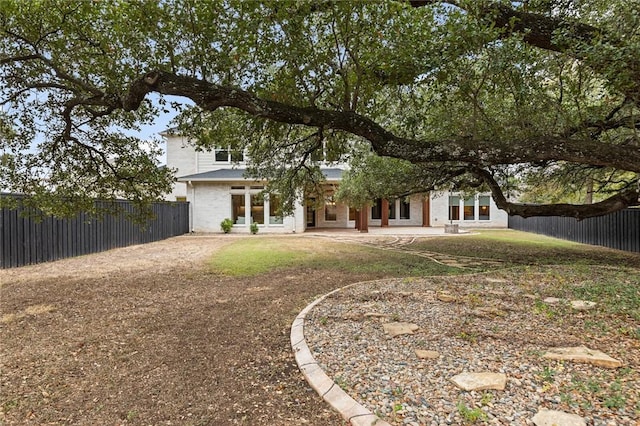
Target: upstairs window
point(227, 155)
point(329, 152)
point(237, 156)
point(221, 155)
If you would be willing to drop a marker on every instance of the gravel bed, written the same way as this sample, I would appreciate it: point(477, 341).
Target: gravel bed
point(494, 323)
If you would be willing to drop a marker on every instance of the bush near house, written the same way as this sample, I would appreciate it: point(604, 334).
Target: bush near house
point(226, 225)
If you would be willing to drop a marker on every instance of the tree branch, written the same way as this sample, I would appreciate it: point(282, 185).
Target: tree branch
point(619, 201)
point(210, 97)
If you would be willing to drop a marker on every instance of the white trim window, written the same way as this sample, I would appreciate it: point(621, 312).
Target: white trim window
point(250, 205)
point(227, 155)
point(473, 208)
point(484, 207)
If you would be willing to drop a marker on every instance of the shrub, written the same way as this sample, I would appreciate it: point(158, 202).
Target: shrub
point(254, 228)
point(226, 225)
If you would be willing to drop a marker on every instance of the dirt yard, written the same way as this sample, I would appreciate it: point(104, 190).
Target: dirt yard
point(145, 335)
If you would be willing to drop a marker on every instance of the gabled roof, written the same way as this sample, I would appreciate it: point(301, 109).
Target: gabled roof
point(227, 175)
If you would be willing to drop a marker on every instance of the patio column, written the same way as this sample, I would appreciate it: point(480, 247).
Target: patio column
point(426, 211)
point(384, 222)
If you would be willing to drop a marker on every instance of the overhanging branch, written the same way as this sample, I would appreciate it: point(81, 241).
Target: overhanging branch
point(622, 200)
point(210, 97)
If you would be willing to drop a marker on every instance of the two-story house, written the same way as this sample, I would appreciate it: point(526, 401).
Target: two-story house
point(214, 184)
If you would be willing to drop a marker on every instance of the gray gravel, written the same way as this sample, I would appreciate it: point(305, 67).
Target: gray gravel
point(509, 336)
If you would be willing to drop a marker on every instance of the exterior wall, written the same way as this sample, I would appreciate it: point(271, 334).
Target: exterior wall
point(182, 157)
point(342, 217)
point(186, 160)
point(440, 213)
point(205, 161)
point(211, 204)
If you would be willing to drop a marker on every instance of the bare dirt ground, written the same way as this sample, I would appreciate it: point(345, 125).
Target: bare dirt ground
point(145, 335)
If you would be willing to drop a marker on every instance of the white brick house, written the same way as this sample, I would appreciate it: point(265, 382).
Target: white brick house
point(216, 188)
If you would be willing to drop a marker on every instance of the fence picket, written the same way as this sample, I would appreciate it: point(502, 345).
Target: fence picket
point(25, 240)
point(619, 230)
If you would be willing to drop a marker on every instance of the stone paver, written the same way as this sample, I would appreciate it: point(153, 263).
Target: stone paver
point(582, 354)
point(394, 329)
point(546, 417)
point(446, 297)
point(425, 354)
point(480, 381)
point(582, 305)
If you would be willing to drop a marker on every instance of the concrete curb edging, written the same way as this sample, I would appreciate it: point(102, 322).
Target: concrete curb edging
point(348, 407)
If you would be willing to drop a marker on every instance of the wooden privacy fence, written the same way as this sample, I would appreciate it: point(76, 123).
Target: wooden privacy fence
point(26, 240)
point(619, 230)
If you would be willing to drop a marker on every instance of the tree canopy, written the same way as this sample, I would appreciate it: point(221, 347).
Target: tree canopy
point(422, 95)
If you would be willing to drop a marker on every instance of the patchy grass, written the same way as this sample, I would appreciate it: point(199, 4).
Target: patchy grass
point(616, 290)
point(517, 247)
point(250, 257)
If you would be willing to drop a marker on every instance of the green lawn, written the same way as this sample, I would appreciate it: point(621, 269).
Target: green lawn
point(253, 256)
point(580, 271)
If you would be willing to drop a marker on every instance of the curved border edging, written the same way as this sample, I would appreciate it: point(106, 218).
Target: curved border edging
point(349, 408)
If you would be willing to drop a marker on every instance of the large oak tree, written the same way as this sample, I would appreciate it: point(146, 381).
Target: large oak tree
point(424, 94)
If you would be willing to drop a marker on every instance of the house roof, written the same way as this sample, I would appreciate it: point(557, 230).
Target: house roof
point(226, 175)
point(219, 175)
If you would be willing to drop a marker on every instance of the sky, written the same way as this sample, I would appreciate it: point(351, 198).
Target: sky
point(161, 123)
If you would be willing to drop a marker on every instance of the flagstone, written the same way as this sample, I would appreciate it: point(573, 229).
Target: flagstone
point(394, 329)
point(446, 297)
point(546, 417)
point(425, 354)
point(480, 381)
point(582, 305)
point(582, 354)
